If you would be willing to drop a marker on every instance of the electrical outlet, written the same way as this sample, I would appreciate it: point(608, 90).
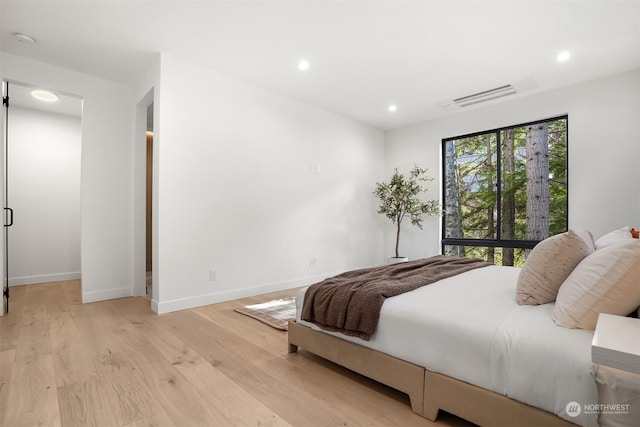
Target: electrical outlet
point(213, 275)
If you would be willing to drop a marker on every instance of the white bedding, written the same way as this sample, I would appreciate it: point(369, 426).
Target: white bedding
point(470, 327)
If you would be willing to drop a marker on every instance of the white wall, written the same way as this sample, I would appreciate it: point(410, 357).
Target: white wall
point(604, 152)
point(44, 189)
point(235, 192)
point(106, 172)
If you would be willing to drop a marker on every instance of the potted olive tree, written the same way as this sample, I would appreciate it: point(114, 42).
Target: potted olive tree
point(400, 198)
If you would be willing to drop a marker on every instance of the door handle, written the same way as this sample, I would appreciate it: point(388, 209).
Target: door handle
point(10, 217)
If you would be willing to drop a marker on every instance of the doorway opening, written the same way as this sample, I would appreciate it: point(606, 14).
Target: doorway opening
point(145, 190)
point(42, 147)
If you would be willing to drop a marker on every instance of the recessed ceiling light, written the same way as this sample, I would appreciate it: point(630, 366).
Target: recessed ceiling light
point(23, 38)
point(564, 56)
point(303, 65)
point(392, 108)
point(44, 95)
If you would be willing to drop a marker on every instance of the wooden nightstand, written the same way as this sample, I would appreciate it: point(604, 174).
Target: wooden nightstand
point(616, 342)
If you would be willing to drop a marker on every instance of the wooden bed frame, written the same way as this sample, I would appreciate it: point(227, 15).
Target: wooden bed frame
point(429, 392)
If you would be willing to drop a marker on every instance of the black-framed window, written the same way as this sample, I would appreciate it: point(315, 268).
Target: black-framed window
point(504, 190)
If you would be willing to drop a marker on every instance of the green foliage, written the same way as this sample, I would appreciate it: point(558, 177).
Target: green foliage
point(476, 195)
point(483, 252)
point(401, 198)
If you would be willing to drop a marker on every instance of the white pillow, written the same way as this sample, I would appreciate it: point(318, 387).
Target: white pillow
point(548, 265)
point(616, 236)
point(607, 281)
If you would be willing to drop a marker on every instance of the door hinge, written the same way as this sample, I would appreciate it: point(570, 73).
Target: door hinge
point(5, 101)
point(5, 294)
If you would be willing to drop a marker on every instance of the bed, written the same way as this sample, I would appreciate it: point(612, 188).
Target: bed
point(464, 345)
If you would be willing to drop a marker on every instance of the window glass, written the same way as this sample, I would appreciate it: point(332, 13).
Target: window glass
point(505, 189)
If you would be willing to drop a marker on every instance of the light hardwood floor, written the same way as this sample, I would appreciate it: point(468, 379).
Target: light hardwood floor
point(115, 363)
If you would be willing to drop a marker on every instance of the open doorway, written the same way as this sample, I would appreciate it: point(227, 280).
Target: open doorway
point(42, 187)
point(145, 192)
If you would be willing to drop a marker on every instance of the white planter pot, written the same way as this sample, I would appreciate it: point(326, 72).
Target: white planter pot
point(396, 260)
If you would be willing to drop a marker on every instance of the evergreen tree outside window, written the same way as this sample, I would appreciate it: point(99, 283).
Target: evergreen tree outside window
point(504, 190)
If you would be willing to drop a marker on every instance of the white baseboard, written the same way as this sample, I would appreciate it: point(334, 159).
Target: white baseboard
point(106, 294)
point(214, 298)
point(45, 278)
point(178, 304)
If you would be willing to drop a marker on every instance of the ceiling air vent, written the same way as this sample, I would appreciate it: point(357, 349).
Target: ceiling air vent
point(479, 97)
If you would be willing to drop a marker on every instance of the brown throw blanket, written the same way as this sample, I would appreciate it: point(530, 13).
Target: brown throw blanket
point(351, 302)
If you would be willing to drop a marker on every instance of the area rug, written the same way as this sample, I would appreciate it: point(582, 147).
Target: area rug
point(276, 313)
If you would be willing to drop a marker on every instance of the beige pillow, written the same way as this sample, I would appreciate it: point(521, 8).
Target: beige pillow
point(549, 263)
point(607, 281)
point(613, 238)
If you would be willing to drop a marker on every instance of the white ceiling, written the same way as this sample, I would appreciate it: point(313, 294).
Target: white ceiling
point(364, 55)
point(20, 95)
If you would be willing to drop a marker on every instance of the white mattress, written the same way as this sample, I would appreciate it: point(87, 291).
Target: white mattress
point(469, 327)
